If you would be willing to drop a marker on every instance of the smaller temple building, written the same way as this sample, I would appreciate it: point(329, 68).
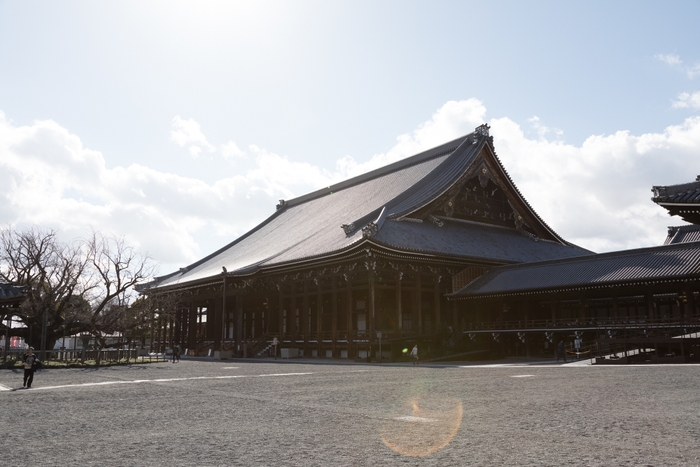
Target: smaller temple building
point(609, 303)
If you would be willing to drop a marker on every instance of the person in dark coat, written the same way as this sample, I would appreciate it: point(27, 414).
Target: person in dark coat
point(30, 364)
point(561, 351)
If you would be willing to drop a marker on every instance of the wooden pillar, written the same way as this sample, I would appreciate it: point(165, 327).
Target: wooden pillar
point(293, 317)
point(239, 320)
point(372, 323)
point(455, 319)
point(417, 300)
point(399, 311)
point(177, 325)
point(553, 306)
point(649, 298)
point(192, 332)
point(319, 320)
point(616, 313)
point(303, 319)
point(280, 311)
point(214, 320)
point(689, 305)
point(438, 323)
point(334, 314)
point(349, 315)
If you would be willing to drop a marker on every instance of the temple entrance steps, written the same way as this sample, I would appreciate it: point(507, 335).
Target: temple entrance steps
point(203, 348)
point(265, 350)
point(256, 345)
point(648, 348)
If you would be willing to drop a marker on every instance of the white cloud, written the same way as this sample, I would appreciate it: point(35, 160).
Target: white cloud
point(687, 101)
point(694, 71)
point(675, 61)
point(596, 194)
point(231, 150)
point(188, 132)
point(541, 129)
point(670, 59)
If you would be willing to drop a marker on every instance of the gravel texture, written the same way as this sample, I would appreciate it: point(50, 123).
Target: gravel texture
point(211, 413)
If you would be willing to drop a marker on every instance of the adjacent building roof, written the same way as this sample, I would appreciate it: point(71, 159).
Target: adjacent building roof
point(680, 200)
point(669, 262)
point(402, 207)
point(683, 234)
point(10, 294)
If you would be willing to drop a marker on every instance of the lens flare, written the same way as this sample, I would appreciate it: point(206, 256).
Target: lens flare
point(426, 425)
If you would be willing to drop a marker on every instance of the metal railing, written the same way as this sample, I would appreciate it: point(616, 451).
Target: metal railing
point(69, 356)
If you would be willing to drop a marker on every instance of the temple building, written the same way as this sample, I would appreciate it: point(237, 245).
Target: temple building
point(439, 249)
point(376, 253)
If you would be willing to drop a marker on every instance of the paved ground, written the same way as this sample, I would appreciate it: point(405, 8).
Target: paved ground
point(250, 413)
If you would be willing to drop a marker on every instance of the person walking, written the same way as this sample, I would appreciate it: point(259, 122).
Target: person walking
point(414, 354)
point(561, 351)
point(30, 364)
point(177, 352)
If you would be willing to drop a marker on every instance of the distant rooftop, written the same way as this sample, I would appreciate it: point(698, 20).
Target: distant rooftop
point(681, 200)
point(669, 262)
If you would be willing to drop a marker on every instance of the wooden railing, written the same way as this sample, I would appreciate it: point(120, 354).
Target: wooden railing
point(598, 323)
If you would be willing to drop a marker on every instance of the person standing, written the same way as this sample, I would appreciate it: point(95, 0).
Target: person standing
point(561, 351)
point(414, 354)
point(30, 364)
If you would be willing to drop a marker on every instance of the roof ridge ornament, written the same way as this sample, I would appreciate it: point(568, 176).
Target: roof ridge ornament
point(281, 204)
point(369, 230)
point(348, 228)
point(435, 220)
point(482, 130)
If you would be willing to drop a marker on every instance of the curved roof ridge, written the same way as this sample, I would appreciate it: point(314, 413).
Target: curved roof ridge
point(433, 153)
point(438, 181)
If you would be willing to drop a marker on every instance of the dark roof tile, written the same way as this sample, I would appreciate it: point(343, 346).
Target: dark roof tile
point(656, 263)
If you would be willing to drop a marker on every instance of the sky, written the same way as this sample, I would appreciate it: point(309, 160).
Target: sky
point(179, 125)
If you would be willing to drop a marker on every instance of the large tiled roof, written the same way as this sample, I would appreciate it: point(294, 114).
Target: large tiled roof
point(309, 227)
point(471, 240)
point(622, 267)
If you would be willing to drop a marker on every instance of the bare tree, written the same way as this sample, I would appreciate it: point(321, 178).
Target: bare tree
point(84, 286)
point(114, 268)
point(51, 271)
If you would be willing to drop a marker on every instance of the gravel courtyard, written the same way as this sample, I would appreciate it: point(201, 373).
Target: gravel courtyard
point(280, 413)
